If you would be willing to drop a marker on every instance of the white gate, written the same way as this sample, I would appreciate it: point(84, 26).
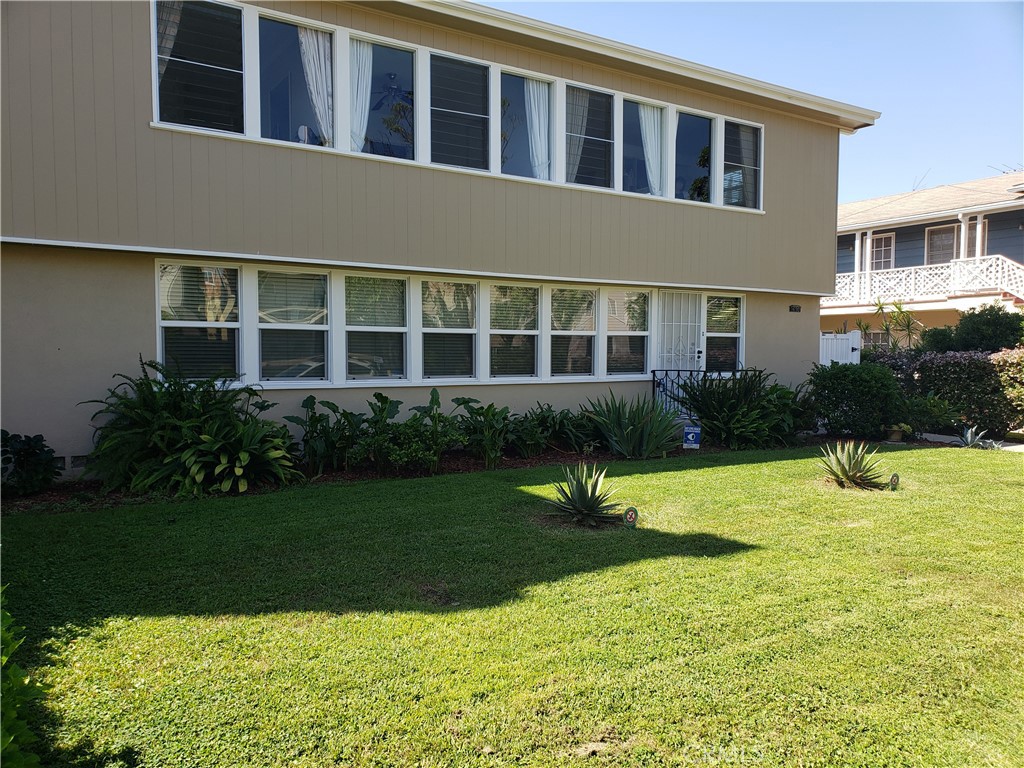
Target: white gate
point(840, 347)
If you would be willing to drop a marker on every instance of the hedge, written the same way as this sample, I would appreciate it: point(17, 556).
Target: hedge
point(973, 382)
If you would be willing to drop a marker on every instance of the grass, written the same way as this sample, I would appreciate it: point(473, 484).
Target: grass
point(757, 616)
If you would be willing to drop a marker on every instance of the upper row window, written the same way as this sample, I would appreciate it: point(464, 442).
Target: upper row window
point(200, 81)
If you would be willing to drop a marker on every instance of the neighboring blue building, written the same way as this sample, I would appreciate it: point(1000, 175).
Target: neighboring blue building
point(922, 249)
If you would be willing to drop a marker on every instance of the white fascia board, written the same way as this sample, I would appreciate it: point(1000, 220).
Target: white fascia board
point(928, 218)
point(849, 117)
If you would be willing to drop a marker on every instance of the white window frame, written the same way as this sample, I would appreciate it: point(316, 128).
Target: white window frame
point(553, 150)
point(615, 178)
point(490, 116)
point(341, 37)
point(719, 181)
point(247, 328)
point(324, 328)
point(717, 145)
point(492, 330)
point(597, 353)
point(663, 148)
point(972, 226)
point(609, 334)
point(425, 331)
point(880, 238)
point(406, 330)
point(237, 325)
point(928, 253)
point(740, 334)
point(246, 108)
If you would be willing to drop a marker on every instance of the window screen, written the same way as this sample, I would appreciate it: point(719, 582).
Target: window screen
point(741, 179)
point(458, 113)
point(589, 137)
point(199, 65)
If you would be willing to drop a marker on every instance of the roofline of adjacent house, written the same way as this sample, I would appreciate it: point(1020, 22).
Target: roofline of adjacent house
point(848, 118)
point(931, 216)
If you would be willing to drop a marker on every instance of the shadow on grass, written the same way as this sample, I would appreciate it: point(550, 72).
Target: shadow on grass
point(435, 544)
point(86, 753)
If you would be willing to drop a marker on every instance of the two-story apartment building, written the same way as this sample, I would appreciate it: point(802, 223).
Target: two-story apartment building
point(922, 249)
point(345, 197)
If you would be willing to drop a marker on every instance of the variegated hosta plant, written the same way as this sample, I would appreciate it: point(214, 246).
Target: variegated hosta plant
point(850, 464)
point(582, 496)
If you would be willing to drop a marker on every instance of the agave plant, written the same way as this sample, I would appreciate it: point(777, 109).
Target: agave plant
point(850, 464)
point(582, 496)
point(972, 438)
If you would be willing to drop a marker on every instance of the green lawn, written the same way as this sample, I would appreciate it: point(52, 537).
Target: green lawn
point(757, 616)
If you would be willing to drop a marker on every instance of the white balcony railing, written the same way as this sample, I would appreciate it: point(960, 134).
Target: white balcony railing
point(988, 274)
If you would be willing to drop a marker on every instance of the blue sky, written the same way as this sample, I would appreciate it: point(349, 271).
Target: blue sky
point(947, 77)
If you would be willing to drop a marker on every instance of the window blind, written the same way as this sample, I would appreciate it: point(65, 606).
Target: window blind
point(375, 301)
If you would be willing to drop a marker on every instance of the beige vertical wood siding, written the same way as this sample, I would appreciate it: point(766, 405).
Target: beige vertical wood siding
point(83, 164)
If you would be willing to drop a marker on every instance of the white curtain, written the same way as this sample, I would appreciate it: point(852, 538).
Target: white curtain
point(538, 107)
point(168, 18)
point(748, 156)
point(577, 105)
point(362, 71)
point(315, 47)
point(650, 134)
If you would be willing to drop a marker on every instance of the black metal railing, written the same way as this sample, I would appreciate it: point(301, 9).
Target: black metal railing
point(666, 385)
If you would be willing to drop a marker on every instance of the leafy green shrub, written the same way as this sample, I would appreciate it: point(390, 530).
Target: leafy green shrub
point(438, 431)
point(858, 399)
point(27, 464)
point(638, 429)
point(230, 457)
point(902, 362)
point(487, 429)
point(389, 445)
point(939, 339)
point(326, 443)
point(970, 382)
point(16, 689)
point(153, 422)
point(981, 329)
point(529, 433)
point(928, 413)
point(582, 496)
point(989, 329)
point(850, 464)
point(745, 409)
point(1009, 365)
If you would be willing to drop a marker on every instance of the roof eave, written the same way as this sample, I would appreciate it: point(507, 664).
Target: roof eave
point(846, 117)
point(930, 217)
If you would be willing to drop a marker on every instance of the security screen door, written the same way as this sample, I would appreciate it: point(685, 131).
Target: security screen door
point(681, 346)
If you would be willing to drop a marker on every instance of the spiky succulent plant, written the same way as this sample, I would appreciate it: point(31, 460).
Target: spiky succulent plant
point(582, 496)
point(850, 464)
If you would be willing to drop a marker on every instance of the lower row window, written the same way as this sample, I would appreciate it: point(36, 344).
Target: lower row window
point(294, 315)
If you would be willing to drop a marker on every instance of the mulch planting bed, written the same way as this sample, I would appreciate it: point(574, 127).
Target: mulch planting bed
point(88, 494)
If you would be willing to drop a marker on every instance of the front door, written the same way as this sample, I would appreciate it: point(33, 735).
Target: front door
point(681, 325)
